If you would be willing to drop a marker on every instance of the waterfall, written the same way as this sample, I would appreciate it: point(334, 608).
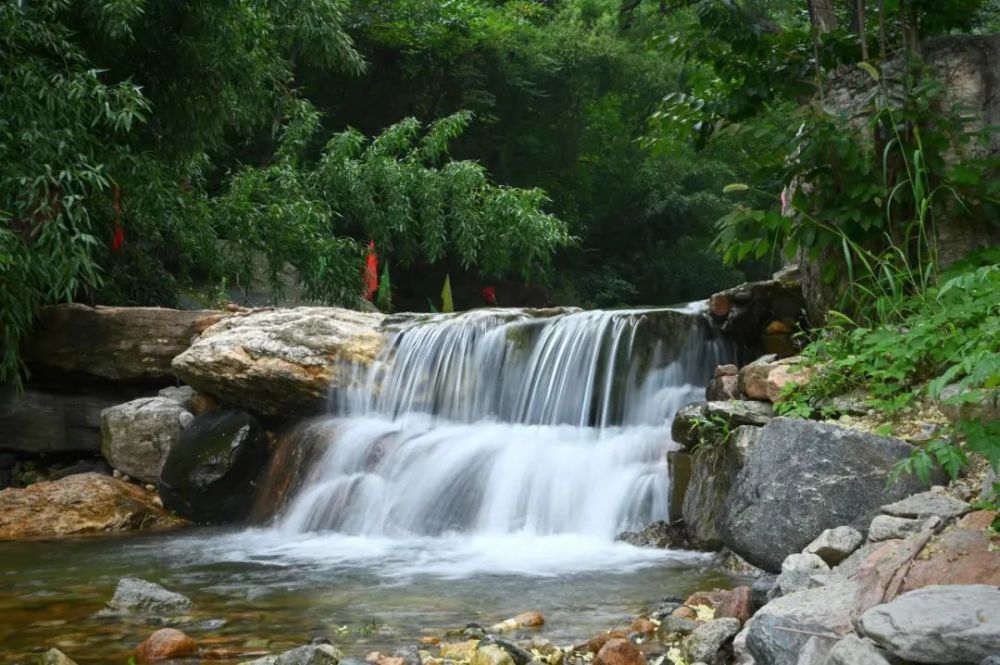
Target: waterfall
point(497, 422)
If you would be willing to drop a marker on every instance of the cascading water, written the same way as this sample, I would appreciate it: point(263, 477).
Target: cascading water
point(501, 428)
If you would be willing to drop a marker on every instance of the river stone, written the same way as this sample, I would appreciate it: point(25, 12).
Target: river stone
point(938, 624)
point(117, 343)
point(166, 644)
point(780, 629)
point(835, 545)
point(211, 474)
point(137, 436)
point(520, 656)
point(853, 650)
point(927, 504)
point(136, 595)
point(618, 651)
point(704, 642)
point(887, 527)
point(310, 654)
point(829, 476)
point(56, 657)
point(281, 361)
point(491, 654)
point(703, 420)
point(83, 503)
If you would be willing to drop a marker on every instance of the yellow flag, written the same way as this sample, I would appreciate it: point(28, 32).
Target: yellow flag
point(447, 305)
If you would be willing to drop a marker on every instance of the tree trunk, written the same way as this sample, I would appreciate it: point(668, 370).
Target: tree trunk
point(860, 7)
point(822, 15)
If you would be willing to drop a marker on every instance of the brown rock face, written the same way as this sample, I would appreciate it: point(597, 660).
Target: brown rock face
point(282, 361)
point(79, 504)
point(165, 644)
point(118, 343)
point(783, 375)
point(619, 651)
point(737, 604)
point(753, 380)
point(963, 554)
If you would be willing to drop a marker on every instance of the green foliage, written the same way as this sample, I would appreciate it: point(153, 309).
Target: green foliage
point(946, 336)
point(398, 189)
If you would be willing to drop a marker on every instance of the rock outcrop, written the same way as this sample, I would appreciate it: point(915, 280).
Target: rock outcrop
point(210, 475)
point(116, 343)
point(281, 362)
point(829, 476)
point(137, 436)
point(938, 624)
point(85, 503)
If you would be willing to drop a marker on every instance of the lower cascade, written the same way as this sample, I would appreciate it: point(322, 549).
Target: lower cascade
point(497, 423)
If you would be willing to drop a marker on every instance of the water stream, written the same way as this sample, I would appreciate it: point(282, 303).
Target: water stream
point(481, 467)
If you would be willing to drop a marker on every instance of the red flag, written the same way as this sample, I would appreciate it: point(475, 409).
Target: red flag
point(118, 235)
point(490, 295)
point(371, 272)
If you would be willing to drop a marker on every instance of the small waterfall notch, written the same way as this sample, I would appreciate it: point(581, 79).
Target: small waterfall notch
point(495, 422)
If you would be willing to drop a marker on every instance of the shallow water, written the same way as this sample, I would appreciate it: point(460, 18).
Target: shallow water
point(265, 591)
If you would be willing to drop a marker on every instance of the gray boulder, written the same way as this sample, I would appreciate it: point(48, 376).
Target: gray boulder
point(835, 545)
point(829, 476)
point(713, 469)
point(887, 527)
point(136, 595)
point(927, 504)
point(780, 630)
point(938, 624)
point(183, 395)
point(704, 643)
point(137, 436)
point(853, 650)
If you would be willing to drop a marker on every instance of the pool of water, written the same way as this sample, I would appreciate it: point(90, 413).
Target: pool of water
point(266, 590)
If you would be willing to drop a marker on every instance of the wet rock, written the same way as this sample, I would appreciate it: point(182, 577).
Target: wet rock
point(711, 599)
point(117, 343)
point(705, 642)
point(938, 624)
point(137, 595)
point(927, 504)
point(56, 657)
point(737, 604)
point(474, 631)
point(491, 655)
point(835, 545)
point(672, 625)
point(661, 534)
point(780, 629)
point(886, 527)
point(137, 436)
point(165, 644)
point(726, 370)
point(281, 361)
point(595, 643)
point(213, 469)
point(642, 625)
point(520, 656)
point(310, 654)
point(619, 652)
point(684, 613)
point(853, 650)
point(830, 476)
point(525, 619)
point(79, 504)
point(458, 650)
point(410, 655)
